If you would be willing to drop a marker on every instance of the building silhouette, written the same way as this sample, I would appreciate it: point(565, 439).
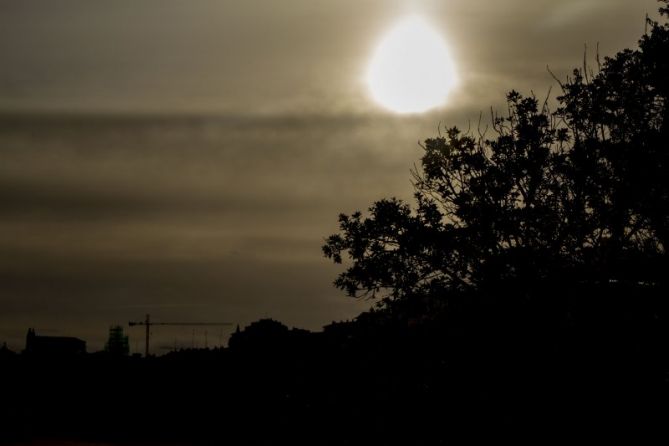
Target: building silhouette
point(5, 352)
point(117, 344)
point(53, 345)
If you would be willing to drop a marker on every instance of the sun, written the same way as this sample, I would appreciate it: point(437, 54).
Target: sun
point(411, 70)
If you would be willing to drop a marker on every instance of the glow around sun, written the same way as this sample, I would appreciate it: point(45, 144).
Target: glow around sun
point(411, 70)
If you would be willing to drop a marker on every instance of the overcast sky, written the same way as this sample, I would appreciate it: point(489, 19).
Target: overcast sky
point(187, 158)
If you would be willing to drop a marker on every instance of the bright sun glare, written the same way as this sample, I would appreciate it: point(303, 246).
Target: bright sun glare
point(411, 70)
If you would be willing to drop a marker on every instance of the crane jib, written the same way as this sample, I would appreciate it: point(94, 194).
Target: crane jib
point(148, 323)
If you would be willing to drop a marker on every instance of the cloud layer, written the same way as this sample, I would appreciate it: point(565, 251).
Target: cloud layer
point(187, 159)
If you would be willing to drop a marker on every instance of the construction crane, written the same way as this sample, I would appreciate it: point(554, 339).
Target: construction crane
point(148, 324)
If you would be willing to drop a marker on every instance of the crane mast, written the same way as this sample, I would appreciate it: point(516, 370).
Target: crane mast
point(147, 323)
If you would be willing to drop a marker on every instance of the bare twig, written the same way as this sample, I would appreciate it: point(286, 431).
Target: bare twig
point(555, 78)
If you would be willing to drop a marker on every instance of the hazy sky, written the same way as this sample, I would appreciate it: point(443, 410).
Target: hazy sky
point(187, 158)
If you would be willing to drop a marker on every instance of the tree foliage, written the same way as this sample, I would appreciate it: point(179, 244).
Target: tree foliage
point(578, 194)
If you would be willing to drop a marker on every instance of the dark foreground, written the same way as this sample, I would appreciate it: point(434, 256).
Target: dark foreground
point(538, 370)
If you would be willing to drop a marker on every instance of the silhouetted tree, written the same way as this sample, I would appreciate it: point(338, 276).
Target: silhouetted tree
point(579, 194)
point(264, 334)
